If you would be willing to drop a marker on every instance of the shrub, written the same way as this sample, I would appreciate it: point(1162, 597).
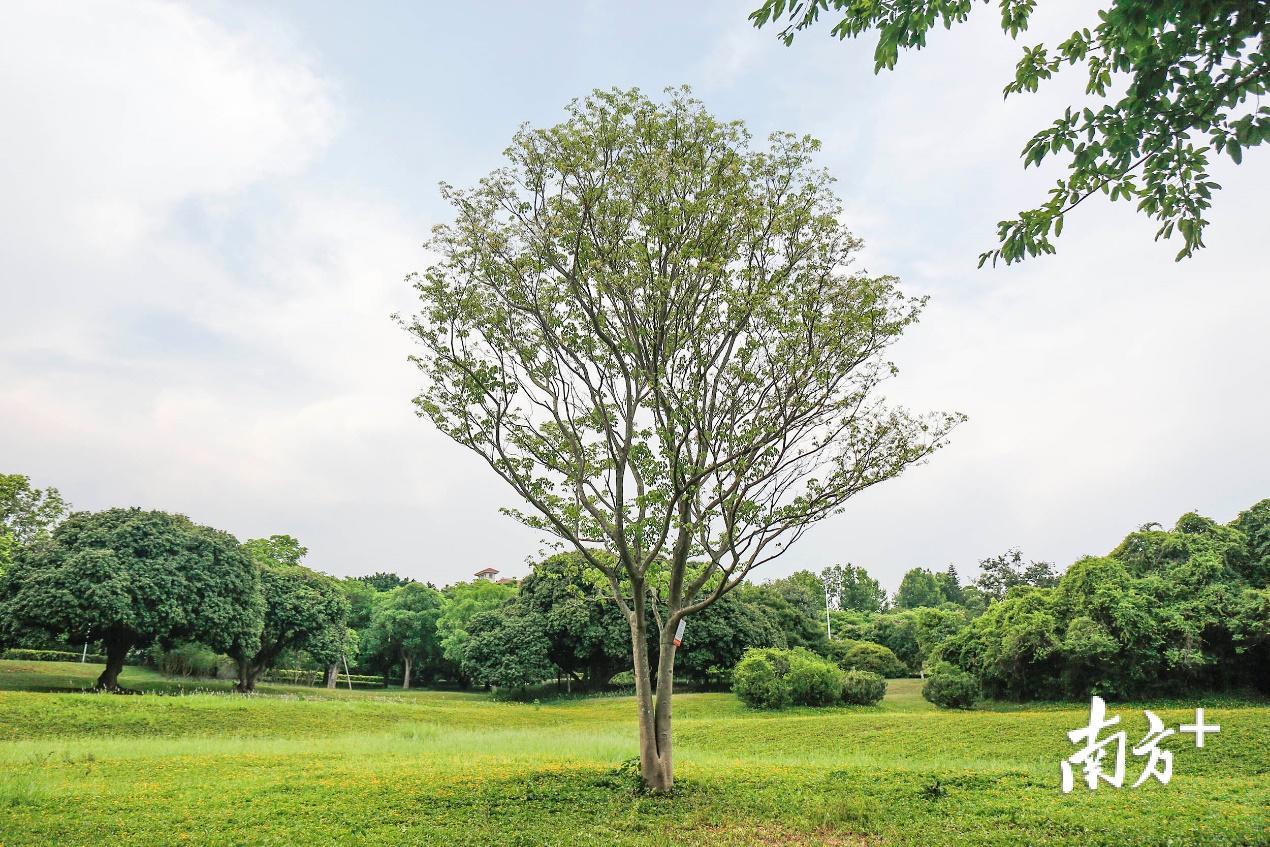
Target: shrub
point(875, 658)
point(188, 659)
point(950, 687)
point(863, 688)
point(759, 678)
point(813, 681)
point(51, 656)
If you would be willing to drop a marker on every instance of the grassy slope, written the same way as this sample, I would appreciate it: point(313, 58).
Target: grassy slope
point(307, 766)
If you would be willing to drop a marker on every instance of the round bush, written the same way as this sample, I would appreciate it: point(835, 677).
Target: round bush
point(863, 688)
point(759, 679)
point(951, 688)
point(813, 681)
point(875, 658)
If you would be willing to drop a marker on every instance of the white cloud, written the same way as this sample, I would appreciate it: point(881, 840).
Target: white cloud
point(196, 310)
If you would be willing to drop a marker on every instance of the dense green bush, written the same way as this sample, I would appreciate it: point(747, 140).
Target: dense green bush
point(875, 658)
point(812, 680)
point(186, 659)
point(1166, 612)
point(773, 678)
point(950, 688)
point(51, 656)
point(862, 688)
point(759, 678)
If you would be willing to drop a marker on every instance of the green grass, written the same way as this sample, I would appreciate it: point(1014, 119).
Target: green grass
point(298, 766)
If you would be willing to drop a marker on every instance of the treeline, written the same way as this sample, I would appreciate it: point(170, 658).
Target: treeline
point(1166, 611)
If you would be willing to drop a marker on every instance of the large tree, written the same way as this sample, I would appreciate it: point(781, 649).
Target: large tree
point(303, 609)
point(652, 332)
point(1188, 77)
point(131, 578)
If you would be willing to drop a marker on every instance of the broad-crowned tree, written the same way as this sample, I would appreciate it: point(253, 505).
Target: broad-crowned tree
point(302, 609)
point(1188, 77)
point(132, 578)
point(404, 628)
point(651, 330)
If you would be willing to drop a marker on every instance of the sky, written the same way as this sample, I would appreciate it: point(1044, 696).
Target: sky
point(209, 209)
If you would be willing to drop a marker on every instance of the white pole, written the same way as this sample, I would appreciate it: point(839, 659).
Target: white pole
point(84, 657)
point(828, 625)
point(348, 677)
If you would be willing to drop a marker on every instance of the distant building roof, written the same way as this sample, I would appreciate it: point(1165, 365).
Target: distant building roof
point(486, 572)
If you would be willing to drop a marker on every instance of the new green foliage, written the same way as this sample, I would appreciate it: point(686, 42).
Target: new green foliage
point(1169, 85)
point(650, 328)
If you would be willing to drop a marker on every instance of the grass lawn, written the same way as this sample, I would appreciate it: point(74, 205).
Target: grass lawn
point(190, 763)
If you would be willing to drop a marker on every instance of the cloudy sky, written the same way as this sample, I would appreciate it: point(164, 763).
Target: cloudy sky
point(208, 211)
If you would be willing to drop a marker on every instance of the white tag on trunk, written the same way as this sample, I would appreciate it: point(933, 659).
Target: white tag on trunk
point(679, 631)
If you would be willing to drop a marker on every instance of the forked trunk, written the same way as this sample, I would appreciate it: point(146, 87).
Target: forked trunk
point(656, 761)
point(247, 674)
point(116, 652)
point(405, 677)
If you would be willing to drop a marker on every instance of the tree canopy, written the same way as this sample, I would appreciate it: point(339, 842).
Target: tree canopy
point(1170, 84)
point(131, 578)
point(651, 331)
point(303, 610)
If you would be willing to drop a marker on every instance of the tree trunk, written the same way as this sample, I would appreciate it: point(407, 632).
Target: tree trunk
point(246, 677)
point(656, 764)
point(332, 674)
point(405, 676)
point(116, 652)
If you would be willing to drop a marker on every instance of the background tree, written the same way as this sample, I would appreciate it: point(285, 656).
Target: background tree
point(132, 578)
point(1189, 76)
point(384, 580)
point(463, 602)
point(507, 650)
point(998, 574)
point(918, 588)
point(851, 588)
point(800, 625)
point(650, 331)
point(26, 513)
point(722, 632)
point(404, 628)
point(303, 610)
point(587, 634)
point(1166, 612)
point(950, 585)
